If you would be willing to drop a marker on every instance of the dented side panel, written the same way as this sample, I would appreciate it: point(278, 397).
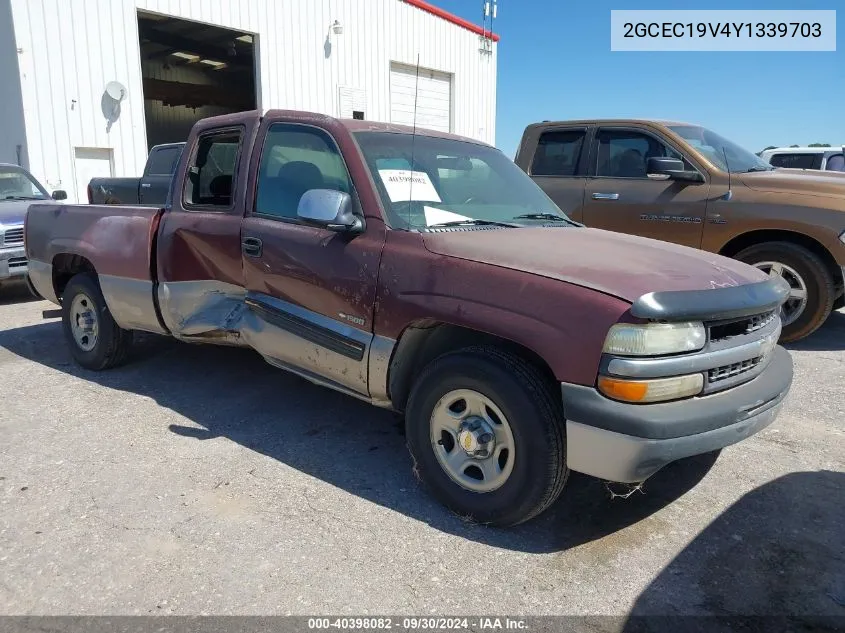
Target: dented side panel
point(202, 310)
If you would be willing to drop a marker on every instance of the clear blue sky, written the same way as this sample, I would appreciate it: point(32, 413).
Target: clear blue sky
point(555, 63)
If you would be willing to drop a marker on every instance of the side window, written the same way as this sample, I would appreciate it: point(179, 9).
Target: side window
point(558, 153)
point(211, 175)
point(294, 160)
point(795, 161)
point(625, 153)
point(836, 163)
point(162, 161)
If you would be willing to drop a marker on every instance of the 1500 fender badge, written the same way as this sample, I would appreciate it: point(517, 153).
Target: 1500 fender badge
point(352, 319)
point(686, 219)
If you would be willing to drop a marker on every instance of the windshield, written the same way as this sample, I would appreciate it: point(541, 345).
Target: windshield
point(16, 184)
point(451, 181)
point(715, 147)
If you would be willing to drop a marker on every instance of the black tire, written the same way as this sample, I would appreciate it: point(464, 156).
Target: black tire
point(112, 344)
point(821, 291)
point(534, 413)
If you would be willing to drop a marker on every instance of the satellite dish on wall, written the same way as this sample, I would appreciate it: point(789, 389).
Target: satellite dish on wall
point(116, 90)
point(114, 93)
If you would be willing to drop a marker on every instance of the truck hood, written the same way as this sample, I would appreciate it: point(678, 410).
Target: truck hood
point(799, 181)
point(624, 266)
point(12, 212)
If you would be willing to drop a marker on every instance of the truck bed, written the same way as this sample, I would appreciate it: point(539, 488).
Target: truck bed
point(117, 242)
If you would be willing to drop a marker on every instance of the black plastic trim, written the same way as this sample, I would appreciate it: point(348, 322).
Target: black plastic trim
point(712, 304)
point(309, 331)
point(680, 418)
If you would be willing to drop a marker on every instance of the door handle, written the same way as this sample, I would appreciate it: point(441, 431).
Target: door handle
point(251, 246)
point(605, 196)
point(146, 185)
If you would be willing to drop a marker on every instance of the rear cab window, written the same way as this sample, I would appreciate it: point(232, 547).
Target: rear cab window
point(162, 161)
point(211, 177)
point(558, 153)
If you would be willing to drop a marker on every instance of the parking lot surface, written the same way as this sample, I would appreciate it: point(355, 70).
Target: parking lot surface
point(200, 480)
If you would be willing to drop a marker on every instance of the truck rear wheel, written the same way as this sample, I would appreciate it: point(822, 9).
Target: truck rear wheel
point(486, 433)
point(96, 341)
point(812, 288)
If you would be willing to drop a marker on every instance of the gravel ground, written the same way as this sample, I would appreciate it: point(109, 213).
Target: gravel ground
point(199, 480)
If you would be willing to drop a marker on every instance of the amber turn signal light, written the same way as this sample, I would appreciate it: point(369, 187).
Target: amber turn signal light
point(655, 390)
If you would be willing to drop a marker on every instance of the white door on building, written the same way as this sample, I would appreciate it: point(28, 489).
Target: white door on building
point(90, 162)
point(433, 96)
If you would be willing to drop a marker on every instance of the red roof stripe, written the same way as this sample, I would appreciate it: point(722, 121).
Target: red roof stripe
point(451, 17)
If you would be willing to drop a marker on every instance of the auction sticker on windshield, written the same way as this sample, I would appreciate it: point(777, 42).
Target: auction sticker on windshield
point(404, 185)
point(439, 216)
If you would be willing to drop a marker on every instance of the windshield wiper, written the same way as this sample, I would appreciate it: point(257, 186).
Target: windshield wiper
point(471, 222)
point(22, 198)
point(540, 216)
point(758, 168)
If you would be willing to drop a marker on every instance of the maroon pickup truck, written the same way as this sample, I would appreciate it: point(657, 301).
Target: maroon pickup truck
point(427, 274)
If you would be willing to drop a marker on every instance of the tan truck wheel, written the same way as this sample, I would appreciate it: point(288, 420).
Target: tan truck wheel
point(96, 341)
point(812, 289)
point(486, 432)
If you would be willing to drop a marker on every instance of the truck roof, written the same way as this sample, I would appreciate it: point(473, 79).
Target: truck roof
point(805, 150)
point(353, 125)
point(357, 125)
point(608, 121)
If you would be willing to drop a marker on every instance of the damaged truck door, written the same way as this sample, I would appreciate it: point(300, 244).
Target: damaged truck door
point(310, 277)
point(198, 251)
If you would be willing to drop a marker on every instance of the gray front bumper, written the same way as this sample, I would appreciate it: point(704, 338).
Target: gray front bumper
point(13, 263)
point(630, 442)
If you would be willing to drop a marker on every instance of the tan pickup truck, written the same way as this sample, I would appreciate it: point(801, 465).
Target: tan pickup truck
point(685, 184)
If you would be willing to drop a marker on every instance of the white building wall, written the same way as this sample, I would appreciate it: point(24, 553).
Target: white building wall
point(12, 128)
point(70, 49)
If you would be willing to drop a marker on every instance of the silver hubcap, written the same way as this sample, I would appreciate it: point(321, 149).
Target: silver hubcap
point(797, 300)
point(83, 322)
point(472, 440)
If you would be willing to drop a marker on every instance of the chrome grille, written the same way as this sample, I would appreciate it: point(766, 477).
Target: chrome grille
point(759, 321)
point(723, 330)
point(13, 236)
point(729, 371)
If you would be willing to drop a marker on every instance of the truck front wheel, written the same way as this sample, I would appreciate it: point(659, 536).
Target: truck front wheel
point(96, 341)
point(486, 433)
point(812, 290)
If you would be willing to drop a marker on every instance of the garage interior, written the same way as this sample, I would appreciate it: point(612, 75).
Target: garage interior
point(191, 71)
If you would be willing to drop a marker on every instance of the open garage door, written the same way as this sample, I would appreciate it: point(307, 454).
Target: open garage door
point(192, 71)
point(433, 95)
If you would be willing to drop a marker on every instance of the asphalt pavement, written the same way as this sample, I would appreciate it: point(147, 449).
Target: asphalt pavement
point(200, 480)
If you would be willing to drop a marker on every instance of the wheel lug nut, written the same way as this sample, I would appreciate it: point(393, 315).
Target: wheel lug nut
point(486, 437)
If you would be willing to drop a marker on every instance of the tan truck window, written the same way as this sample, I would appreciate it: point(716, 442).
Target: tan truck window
point(625, 153)
point(558, 153)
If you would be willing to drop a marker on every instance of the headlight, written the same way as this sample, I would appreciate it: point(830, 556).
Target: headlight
point(655, 390)
point(654, 339)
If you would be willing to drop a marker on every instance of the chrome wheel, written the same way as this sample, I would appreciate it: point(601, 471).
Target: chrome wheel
point(472, 440)
point(797, 300)
point(84, 324)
